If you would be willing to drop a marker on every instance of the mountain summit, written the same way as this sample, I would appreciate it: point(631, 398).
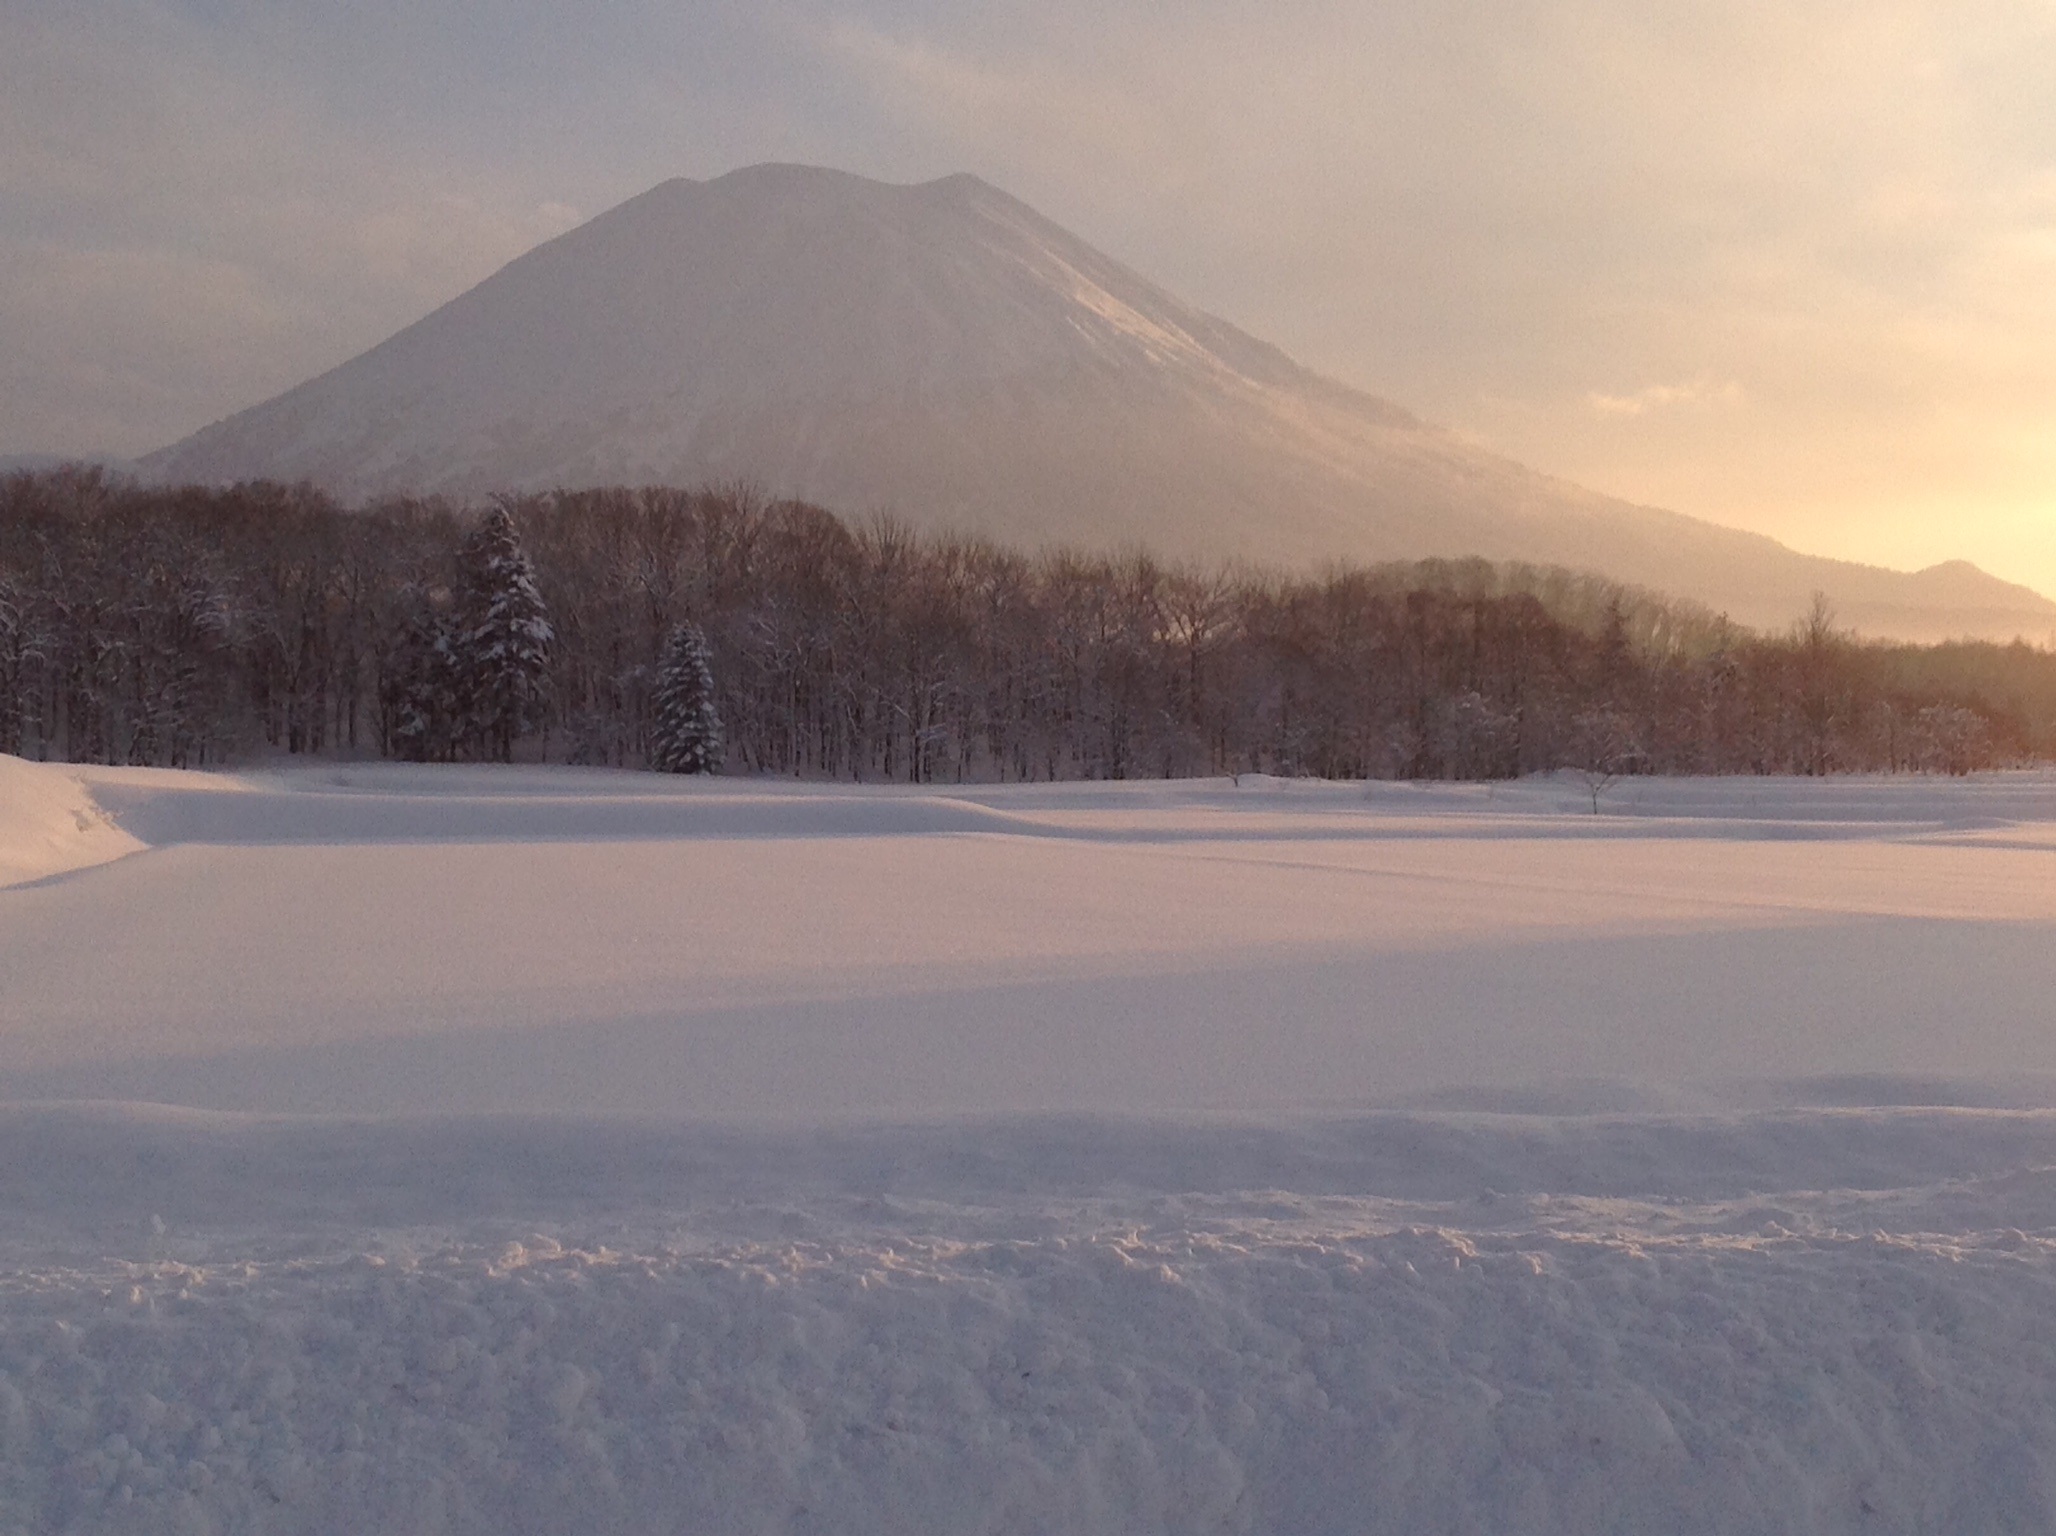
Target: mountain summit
point(945, 352)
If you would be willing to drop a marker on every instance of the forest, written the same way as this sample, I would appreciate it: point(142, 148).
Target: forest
point(193, 627)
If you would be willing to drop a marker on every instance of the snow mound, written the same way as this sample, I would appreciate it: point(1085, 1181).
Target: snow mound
point(50, 824)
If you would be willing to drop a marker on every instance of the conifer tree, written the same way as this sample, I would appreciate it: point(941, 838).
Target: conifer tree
point(686, 735)
point(14, 653)
point(419, 689)
point(506, 650)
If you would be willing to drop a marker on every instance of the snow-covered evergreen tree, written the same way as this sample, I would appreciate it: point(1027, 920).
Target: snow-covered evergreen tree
point(419, 689)
point(686, 735)
point(506, 649)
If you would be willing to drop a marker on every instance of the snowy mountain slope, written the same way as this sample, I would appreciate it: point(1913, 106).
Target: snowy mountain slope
point(944, 352)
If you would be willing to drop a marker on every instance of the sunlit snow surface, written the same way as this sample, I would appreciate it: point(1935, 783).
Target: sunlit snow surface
point(472, 1150)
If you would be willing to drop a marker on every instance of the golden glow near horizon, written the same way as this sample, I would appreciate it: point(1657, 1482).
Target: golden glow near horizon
point(1786, 264)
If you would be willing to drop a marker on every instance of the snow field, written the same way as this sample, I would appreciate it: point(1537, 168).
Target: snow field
point(366, 941)
point(504, 1151)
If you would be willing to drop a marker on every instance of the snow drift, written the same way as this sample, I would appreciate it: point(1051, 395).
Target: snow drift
point(50, 823)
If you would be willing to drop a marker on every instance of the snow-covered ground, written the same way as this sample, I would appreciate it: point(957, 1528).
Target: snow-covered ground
point(500, 1150)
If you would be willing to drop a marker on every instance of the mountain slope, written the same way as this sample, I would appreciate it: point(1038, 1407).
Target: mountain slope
point(945, 352)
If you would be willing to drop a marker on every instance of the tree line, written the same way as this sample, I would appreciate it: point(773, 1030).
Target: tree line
point(190, 626)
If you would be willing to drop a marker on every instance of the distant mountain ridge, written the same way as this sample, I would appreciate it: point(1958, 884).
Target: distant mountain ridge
point(944, 352)
point(43, 463)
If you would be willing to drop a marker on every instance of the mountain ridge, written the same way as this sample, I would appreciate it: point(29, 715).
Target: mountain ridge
point(944, 351)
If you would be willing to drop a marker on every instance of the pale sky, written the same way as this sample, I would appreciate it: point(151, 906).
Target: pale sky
point(1786, 264)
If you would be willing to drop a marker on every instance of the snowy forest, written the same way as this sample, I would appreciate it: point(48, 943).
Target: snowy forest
point(192, 626)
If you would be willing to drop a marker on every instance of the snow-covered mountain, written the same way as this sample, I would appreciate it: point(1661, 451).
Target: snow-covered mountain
point(944, 352)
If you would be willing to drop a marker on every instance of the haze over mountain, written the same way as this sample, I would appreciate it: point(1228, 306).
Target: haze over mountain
point(944, 352)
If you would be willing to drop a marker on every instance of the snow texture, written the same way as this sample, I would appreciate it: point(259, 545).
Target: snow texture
point(535, 1149)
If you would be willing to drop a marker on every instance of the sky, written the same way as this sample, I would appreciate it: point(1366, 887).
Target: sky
point(1785, 264)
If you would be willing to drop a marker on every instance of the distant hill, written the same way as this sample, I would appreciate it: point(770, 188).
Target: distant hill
point(944, 352)
point(42, 463)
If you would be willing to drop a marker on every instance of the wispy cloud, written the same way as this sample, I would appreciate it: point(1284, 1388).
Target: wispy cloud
point(1657, 397)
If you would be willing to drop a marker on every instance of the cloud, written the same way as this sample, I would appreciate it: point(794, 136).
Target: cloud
point(1656, 397)
point(1811, 243)
point(188, 226)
